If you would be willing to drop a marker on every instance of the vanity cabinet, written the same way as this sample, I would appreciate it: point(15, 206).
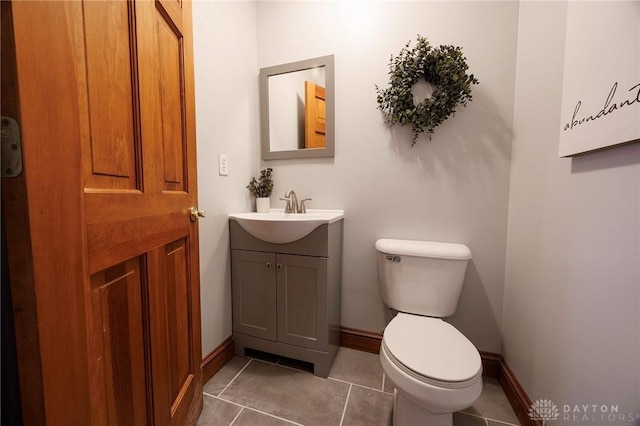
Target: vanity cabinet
point(280, 297)
point(286, 297)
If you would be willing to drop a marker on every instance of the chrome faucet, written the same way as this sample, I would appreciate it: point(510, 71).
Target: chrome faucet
point(292, 203)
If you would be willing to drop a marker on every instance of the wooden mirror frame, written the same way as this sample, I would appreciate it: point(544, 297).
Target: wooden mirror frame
point(329, 150)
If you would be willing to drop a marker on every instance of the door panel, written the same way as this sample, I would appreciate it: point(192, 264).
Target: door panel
point(178, 315)
point(173, 9)
point(117, 304)
point(170, 71)
point(112, 86)
point(173, 368)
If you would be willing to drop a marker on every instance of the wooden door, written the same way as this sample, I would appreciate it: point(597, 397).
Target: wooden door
point(315, 115)
point(253, 281)
point(302, 301)
point(102, 251)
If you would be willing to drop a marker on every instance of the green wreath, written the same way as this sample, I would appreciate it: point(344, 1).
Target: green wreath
point(444, 67)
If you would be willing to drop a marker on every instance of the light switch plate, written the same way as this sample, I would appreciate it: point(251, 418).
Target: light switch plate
point(223, 164)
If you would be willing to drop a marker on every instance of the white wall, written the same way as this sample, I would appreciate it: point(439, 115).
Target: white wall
point(453, 188)
point(226, 77)
point(571, 321)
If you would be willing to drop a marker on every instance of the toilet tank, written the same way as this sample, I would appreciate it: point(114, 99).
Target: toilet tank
point(421, 277)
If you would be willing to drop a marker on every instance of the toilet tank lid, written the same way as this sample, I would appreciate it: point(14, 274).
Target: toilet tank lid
point(431, 249)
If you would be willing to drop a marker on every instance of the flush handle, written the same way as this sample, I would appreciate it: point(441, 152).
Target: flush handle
point(396, 259)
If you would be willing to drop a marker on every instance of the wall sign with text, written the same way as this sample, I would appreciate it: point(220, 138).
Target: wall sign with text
point(601, 86)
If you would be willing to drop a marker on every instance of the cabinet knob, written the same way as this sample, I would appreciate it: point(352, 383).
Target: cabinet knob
point(279, 265)
point(268, 264)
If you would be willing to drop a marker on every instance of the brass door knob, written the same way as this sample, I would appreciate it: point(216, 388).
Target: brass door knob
point(195, 213)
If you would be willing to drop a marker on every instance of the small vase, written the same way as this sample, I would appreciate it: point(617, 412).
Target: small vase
point(263, 205)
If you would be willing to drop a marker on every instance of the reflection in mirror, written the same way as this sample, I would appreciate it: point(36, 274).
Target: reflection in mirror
point(292, 110)
point(297, 109)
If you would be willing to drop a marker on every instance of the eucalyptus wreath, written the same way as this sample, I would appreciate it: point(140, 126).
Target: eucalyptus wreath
point(445, 67)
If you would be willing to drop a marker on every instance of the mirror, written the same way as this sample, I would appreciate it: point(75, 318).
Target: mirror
point(297, 109)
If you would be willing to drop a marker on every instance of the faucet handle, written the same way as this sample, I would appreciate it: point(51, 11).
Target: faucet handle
point(303, 209)
point(287, 208)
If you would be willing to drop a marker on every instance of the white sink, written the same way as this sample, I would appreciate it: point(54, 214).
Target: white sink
point(279, 227)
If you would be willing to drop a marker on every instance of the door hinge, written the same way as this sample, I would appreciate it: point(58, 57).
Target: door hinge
point(11, 148)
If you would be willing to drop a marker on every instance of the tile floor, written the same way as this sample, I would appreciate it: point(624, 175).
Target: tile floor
point(268, 390)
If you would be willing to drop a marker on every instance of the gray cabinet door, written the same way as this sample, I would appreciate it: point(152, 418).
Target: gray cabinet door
point(302, 301)
point(253, 282)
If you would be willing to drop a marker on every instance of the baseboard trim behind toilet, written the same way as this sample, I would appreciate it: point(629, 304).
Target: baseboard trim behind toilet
point(361, 340)
point(493, 366)
point(490, 364)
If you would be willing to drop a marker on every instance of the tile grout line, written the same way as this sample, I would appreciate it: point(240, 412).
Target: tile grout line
point(346, 402)
point(238, 415)
point(255, 409)
point(235, 377)
point(487, 419)
point(356, 384)
point(499, 421)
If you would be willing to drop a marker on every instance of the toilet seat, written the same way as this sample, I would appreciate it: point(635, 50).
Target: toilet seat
point(432, 351)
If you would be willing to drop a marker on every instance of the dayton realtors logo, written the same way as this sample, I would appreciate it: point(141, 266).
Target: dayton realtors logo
point(596, 413)
point(545, 410)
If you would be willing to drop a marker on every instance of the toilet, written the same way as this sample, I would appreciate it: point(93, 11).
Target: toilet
point(434, 368)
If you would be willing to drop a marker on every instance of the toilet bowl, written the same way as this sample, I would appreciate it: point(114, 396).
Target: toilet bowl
point(434, 368)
